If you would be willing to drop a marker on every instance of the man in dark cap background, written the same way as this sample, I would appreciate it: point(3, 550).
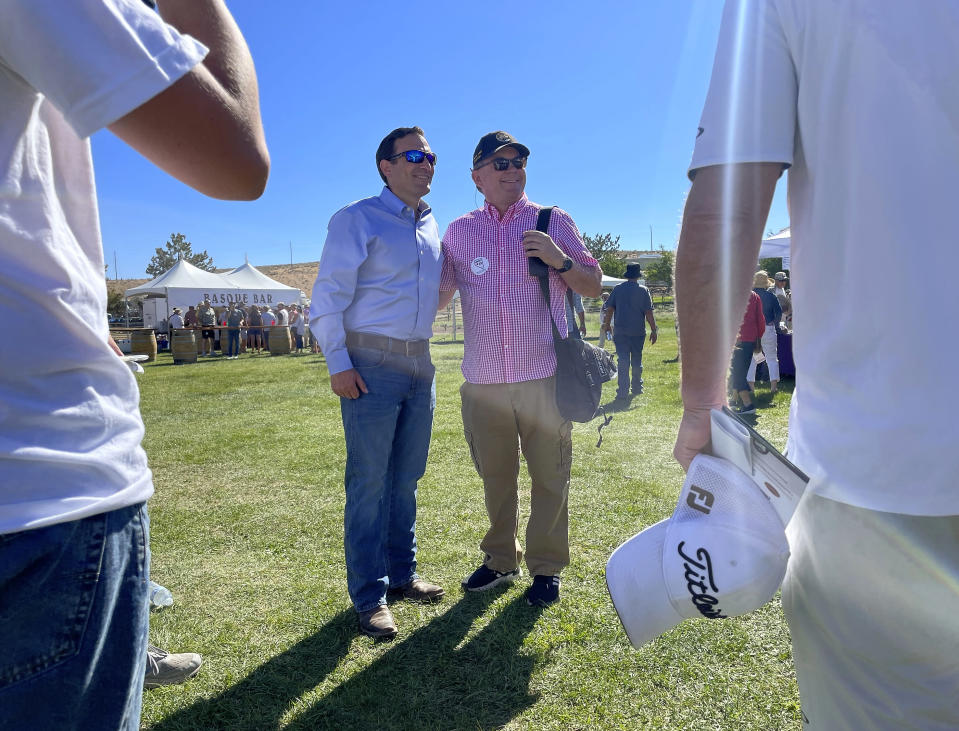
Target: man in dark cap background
point(509, 397)
point(632, 307)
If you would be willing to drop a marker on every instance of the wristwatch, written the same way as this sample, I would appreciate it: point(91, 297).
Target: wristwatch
point(567, 265)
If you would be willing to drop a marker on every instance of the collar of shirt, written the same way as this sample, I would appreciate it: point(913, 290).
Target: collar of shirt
point(518, 206)
point(398, 207)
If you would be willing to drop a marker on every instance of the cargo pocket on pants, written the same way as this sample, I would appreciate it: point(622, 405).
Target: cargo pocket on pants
point(566, 448)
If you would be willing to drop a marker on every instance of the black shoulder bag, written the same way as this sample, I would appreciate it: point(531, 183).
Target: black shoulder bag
point(581, 368)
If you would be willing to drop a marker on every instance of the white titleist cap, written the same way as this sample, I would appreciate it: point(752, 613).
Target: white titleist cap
point(722, 554)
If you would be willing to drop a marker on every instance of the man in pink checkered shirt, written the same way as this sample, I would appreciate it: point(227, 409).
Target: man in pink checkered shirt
point(509, 397)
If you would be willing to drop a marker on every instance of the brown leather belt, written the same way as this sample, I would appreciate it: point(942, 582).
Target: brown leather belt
point(390, 345)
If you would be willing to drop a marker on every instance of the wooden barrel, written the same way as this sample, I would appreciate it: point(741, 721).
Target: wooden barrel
point(144, 342)
point(280, 340)
point(183, 346)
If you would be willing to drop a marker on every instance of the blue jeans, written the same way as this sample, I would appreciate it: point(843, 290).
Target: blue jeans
point(73, 623)
point(387, 442)
point(233, 342)
point(629, 352)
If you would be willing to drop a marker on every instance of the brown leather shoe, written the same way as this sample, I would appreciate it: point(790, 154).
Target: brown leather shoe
point(419, 590)
point(378, 623)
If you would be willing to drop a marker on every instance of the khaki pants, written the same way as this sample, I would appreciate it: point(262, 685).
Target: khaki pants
point(498, 418)
point(871, 602)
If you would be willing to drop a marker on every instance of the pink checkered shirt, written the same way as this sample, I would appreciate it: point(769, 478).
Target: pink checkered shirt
point(508, 336)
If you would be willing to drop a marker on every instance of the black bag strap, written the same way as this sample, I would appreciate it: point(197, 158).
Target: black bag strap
point(542, 224)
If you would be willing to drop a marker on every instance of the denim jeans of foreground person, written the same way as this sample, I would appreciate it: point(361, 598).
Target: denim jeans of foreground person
point(629, 355)
point(387, 441)
point(73, 623)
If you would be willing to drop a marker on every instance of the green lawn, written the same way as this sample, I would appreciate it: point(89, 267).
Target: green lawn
point(247, 523)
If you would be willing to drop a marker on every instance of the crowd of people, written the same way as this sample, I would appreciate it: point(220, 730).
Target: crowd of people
point(873, 576)
point(234, 329)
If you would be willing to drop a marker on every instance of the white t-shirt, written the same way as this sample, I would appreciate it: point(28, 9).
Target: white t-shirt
point(70, 425)
point(860, 97)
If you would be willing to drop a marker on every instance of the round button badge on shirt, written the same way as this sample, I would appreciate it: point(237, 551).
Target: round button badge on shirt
point(479, 265)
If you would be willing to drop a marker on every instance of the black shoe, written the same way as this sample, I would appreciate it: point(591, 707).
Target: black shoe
point(485, 578)
point(543, 592)
point(746, 410)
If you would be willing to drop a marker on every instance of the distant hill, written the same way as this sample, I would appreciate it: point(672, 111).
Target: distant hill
point(300, 276)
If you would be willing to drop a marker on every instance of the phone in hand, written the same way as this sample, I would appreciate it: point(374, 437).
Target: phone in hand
point(537, 267)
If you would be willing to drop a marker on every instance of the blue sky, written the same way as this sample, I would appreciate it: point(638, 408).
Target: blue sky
point(607, 96)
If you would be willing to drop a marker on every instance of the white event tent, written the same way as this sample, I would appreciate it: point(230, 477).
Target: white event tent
point(184, 284)
point(777, 246)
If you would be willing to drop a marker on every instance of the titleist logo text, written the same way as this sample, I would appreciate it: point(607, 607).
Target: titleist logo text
point(699, 582)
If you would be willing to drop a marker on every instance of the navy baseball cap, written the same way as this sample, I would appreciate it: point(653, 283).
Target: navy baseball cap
point(493, 142)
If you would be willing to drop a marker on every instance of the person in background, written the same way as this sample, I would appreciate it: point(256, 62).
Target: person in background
point(297, 324)
point(206, 316)
point(189, 320)
point(748, 345)
point(176, 320)
point(372, 312)
point(234, 321)
point(772, 313)
point(180, 88)
point(630, 307)
point(607, 334)
point(255, 331)
point(575, 309)
point(269, 320)
point(859, 101)
point(785, 302)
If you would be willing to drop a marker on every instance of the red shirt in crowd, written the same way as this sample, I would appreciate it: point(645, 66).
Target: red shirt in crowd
point(754, 322)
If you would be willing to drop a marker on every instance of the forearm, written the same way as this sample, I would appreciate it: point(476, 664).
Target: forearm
point(718, 249)
point(584, 280)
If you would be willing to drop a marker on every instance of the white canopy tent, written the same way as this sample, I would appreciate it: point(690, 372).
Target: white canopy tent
point(777, 247)
point(184, 284)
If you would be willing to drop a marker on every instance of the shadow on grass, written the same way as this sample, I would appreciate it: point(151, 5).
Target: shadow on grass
point(422, 681)
point(429, 681)
point(261, 699)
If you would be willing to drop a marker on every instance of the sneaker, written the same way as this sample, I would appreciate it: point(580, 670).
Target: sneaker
point(485, 578)
point(744, 410)
point(543, 592)
point(164, 668)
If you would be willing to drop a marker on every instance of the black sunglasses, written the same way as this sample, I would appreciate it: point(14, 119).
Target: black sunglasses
point(502, 163)
point(415, 156)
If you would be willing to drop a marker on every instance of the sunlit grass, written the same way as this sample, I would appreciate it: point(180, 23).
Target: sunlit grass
point(247, 533)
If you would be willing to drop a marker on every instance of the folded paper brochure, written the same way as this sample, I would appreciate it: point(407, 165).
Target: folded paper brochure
point(779, 479)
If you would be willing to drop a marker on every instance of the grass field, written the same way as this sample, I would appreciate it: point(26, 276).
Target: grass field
point(247, 523)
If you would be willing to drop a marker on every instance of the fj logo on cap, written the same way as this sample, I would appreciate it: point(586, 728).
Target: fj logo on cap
point(699, 498)
point(502, 137)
